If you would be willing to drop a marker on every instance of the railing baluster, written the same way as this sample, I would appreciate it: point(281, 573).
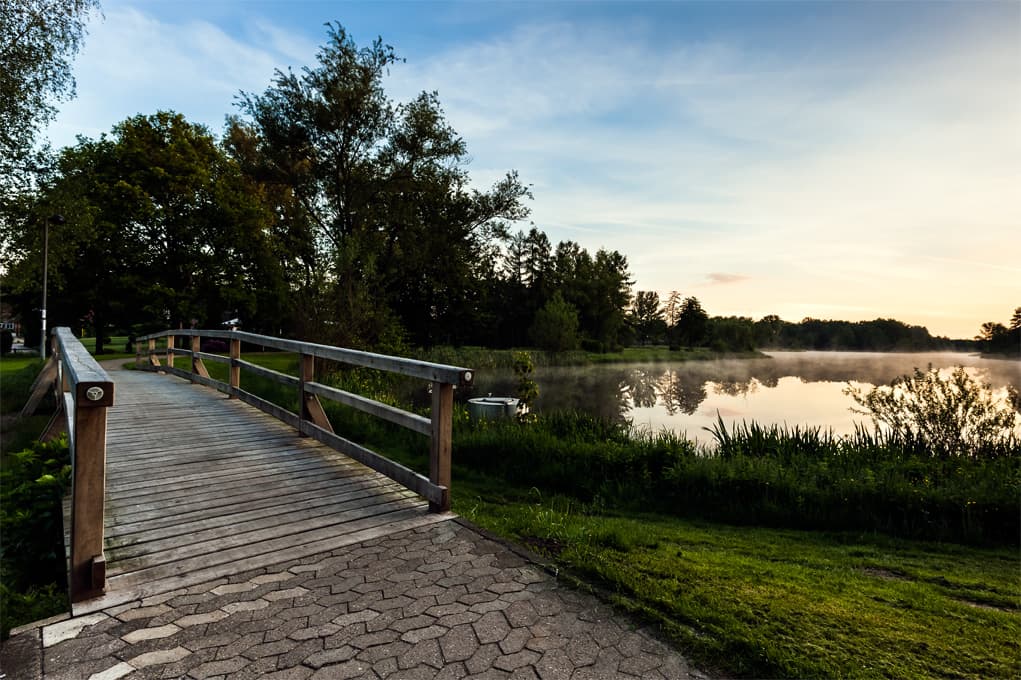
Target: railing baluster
point(235, 368)
point(440, 441)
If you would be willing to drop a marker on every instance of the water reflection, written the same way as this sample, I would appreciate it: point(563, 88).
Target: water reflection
point(794, 388)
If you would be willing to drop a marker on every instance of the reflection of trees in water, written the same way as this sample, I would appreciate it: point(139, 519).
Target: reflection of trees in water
point(681, 392)
point(737, 388)
point(641, 387)
point(612, 391)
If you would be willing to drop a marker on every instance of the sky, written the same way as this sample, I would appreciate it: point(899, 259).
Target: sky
point(824, 159)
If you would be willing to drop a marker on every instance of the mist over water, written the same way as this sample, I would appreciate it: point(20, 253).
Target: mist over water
point(792, 388)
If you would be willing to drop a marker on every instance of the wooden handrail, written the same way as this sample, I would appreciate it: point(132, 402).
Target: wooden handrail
point(84, 391)
point(311, 419)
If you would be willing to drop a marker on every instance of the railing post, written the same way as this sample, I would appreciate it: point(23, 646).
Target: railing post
point(311, 408)
point(153, 359)
point(235, 368)
point(439, 442)
point(88, 565)
point(171, 343)
point(197, 365)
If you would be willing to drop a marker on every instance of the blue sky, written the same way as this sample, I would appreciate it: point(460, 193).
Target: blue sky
point(834, 160)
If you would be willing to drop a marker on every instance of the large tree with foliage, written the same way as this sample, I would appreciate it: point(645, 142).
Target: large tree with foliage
point(399, 235)
point(161, 228)
point(646, 317)
point(38, 39)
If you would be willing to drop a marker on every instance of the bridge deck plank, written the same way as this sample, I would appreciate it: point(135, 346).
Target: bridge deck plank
point(200, 487)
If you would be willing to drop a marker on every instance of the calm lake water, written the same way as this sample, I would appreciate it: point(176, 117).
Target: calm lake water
point(792, 388)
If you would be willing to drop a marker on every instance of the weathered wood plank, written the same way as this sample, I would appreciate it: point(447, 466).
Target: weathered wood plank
point(411, 367)
point(378, 409)
point(252, 534)
point(333, 497)
point(269, 374)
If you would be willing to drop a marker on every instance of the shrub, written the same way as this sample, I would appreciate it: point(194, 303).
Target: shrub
point(952, 416)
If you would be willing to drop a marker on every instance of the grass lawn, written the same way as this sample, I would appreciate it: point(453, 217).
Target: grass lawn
point(783, 603)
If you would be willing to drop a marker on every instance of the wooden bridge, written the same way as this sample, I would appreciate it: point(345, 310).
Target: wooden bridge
point(180, 479)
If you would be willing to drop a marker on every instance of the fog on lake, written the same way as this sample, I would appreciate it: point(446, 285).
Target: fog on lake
point(792, 388)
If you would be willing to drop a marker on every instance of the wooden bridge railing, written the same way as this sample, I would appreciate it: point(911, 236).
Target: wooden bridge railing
point(84, 391)
point(311, 420)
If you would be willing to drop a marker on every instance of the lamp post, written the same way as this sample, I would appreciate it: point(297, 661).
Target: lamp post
point(55, 219)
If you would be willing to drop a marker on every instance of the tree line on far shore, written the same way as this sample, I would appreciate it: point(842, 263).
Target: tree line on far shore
point(330, 212)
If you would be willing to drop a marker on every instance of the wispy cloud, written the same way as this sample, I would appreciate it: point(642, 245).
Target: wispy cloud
point(882, 167)
point(723, 278)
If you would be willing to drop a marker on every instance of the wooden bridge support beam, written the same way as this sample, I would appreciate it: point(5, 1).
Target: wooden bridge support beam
point(88, 567)
point(235, 367)
point(440, 442)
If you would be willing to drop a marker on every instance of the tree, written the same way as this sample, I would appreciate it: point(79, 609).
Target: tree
point(692, 323)
point(555, 328)
point(672, 308)
point(160, 228)
point(646, 316)
point(38, 39)
point(400, 236)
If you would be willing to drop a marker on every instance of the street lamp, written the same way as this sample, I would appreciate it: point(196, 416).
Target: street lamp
point(54, 219)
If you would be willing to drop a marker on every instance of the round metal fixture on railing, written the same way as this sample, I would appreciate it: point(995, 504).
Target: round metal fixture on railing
point(94, 393)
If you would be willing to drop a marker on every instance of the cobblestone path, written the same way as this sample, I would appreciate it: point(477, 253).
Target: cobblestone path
point(438, 602)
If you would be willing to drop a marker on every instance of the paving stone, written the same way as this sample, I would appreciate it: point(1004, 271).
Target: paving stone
point(372, 639)
point(295, 673)
point(420, 634)
point(197, 619)
point(521, 614)
point(524, 673)
point(483, 658)
point(515, 640)
point(272, 578)
point(221, 667)
point(383, 621)
point(331, 656)
point(384, 668)
point(314, 632)
point(150, 633)
point(238, 646)
point(244, 606)
point(453, 671)
point(113, 672)
point(426, 652)
point(511, 662)
point(355, 617)
point(583, 650)
point(342, 671)
point(159, 657)
point(640, 665)
point(554, 665)
point(143, 612)
point(459, 644)
point(270, 649)
point(231, 588)
point(219, 640)
point(288, 594)
point(69, 629)
point(491, 628)
point(380, 652)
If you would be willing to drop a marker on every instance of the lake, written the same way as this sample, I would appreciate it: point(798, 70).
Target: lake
point(792, 388)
